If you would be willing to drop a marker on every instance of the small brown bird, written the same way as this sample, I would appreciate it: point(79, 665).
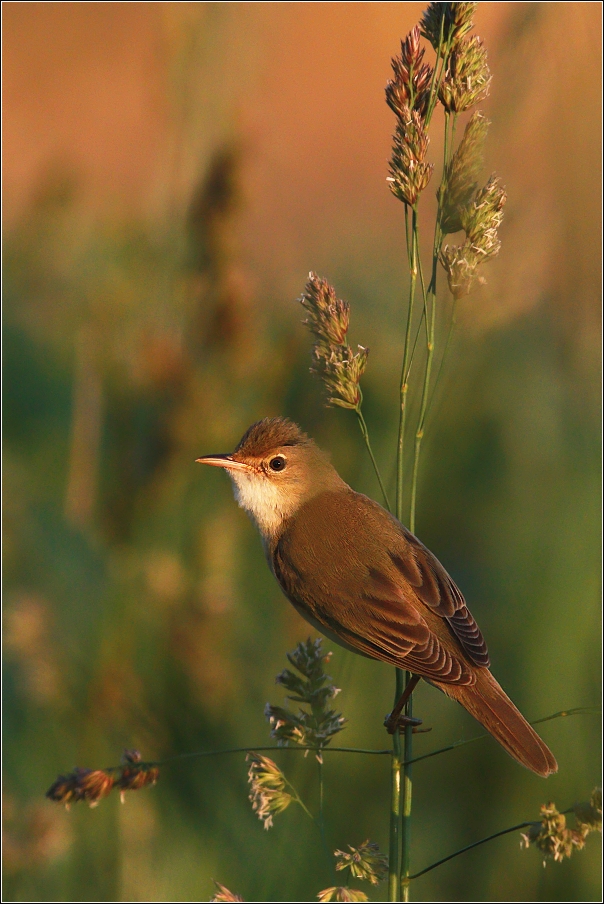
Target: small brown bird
point(362, 579)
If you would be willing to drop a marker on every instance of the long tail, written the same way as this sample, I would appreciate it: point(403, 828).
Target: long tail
point(487, 702)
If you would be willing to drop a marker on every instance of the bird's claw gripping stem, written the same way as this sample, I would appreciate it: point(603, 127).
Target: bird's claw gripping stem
point(399, 721)
point(396, 719)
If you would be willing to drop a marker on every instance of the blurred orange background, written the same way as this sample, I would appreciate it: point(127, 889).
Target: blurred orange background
point(96, 87)
point(172, 171)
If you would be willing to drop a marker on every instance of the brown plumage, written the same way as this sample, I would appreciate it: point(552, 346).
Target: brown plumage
point(360, 577)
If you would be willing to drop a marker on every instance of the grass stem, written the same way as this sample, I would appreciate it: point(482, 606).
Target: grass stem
point(394, 853)
point(468, 847)
point(404, 386)
point(407, 800)
point(365, 433)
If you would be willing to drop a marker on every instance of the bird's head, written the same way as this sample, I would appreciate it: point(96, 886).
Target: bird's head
point(275, 469)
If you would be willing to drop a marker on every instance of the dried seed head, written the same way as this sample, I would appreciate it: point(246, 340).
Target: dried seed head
point(342, 893)
point(81, 784)
point(459, 263)
point(222, 893)
point(131, 756)
point(468, 77)
point(482, 218)
point(267, 788)
point(64, 790)
point(341, 370)
point(445, 24)
point(328, 316)
point(94, 784)
point(553, 837)
point(589, 815)
point(135, 777)
point(461, 174)
point(410, 87)
point(333, 360)
point(409, 173)
point(365, 862)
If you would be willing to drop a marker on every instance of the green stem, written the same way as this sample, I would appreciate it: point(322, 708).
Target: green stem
point(321, 820)
point(395, 804)
point(445, 353)
point(430, 315)
point(436, 77)
point(423, 407)
point(400, 809)
point(365, 433)
point(516, 828)
point(438, 237)
point(297, 799)
point(577, 711)
point(197, 754)
point(413, 255)
point(318, 821)
point(407, 799)
point(321, 796)
point(256, 749)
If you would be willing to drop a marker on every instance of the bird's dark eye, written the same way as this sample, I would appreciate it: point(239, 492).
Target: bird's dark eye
point(277, 463)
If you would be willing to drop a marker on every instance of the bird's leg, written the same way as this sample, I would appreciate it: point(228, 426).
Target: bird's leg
point(396, 719)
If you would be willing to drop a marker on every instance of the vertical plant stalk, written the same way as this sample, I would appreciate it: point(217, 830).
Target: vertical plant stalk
point(320, 821)
point(430, 317)
point(399, 833)
point(394, 854)
point(404, 387)
point(430, 309)
point(430, 304)
point(407, 794)
point(403, 678)
point(452, 326)
point(365, 433)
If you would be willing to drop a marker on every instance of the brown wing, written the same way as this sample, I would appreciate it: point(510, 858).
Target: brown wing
point(352, 570)
point(438, 591)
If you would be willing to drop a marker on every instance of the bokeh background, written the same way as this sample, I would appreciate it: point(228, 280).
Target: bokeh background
point(172, 171)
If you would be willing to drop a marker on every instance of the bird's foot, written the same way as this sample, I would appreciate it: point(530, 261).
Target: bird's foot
point(398, 721)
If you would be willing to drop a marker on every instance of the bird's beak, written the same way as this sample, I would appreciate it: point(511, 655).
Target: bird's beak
point(223, 461)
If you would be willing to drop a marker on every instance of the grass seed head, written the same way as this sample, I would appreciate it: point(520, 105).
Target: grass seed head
point(459, 184)
point(342, 893)
point(267, 788)
point(410, 87)
point(409, 172)
point(468, 77)
point(222, 893)
point(445, 24)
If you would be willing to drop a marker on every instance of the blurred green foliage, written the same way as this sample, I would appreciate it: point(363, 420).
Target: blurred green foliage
point(140, 613)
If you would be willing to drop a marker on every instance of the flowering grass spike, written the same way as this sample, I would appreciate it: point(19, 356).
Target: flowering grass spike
point(267, 788)
point(365, 862)
point(92, 785)
point(468, 77)
point(410, 87)
point(314, 728)
point(222, 893)
point(444, 24)
point(554, 838)
point(334, 361)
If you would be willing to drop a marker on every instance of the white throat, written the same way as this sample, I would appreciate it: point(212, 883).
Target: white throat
point(265, 502)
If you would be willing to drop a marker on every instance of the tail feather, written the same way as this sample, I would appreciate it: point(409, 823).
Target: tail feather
point(488, 703)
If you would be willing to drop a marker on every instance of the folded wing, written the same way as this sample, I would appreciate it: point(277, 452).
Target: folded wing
point(376, 588)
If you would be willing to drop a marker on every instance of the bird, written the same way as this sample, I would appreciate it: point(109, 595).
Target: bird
point(358, 576)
